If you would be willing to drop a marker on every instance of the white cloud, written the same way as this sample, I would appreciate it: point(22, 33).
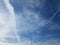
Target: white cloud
point(8, 23)
point(29, 20)
point(7, 20)
point(47, 42)
point(20, 43)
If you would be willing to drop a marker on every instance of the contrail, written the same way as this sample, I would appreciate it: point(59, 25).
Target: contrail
point(12, 14)
point(52, 17)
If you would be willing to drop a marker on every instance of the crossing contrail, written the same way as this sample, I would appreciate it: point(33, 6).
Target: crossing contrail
point(13, 19)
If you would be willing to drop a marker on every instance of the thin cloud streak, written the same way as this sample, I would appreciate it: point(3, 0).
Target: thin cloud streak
point(11, 10)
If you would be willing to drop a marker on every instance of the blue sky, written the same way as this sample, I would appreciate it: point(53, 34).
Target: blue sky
point(23, 20)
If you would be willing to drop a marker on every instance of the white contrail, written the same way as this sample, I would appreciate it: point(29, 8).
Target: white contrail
point(52, 16)
point(12, 15)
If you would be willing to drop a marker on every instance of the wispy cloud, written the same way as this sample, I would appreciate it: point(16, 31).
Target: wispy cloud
point(12, 25)
point(7, 21)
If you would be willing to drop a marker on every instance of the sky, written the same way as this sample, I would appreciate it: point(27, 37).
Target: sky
point(29, 22)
